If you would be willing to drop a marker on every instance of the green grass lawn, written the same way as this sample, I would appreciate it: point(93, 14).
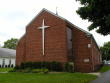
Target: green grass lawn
point(5, 69)
point(17, 77)
point(104, 69)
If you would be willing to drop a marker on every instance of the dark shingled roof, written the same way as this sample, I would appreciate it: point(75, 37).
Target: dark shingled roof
point(5, 52)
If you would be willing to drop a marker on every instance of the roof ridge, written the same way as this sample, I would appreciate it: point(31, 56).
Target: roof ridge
point(44, 9)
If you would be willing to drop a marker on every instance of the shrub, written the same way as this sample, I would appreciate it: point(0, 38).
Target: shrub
point(17, 67)
point(46, 71)
point(56, 66)
point(32, 65)
point(36, 70)
point(69, 67)
point(40, 70)
point(66, 67)
point(53, 66)
point(27, 70)
point(28, 65)
point(46, 65)
point(22, 66)
point(13, 70)
point(0, 66)
point(36, 65)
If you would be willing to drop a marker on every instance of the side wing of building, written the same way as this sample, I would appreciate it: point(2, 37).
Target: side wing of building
point(20, 51)
point(87, 57)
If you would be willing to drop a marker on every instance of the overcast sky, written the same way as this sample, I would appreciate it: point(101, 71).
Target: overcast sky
point(16, 14)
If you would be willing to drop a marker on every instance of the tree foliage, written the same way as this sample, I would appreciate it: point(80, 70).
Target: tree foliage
point(105, 50)
point(98, 13)
point(11, 43)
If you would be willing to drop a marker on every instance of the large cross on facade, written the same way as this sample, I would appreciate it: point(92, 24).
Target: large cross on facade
point(43, 27)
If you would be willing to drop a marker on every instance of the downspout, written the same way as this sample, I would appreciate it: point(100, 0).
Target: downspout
point(92, 54)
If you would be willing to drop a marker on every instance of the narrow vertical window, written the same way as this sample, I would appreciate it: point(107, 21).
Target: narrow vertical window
point(70, 44)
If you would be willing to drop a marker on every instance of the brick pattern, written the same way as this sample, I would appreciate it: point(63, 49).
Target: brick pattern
point(20, 51)
point(96, 57)
point(29, 47)
point(55, 49)
point(81, 51)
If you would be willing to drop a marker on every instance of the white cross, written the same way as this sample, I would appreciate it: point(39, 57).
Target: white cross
point(43, 27)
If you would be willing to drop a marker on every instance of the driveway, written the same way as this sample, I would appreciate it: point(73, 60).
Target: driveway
point(104, 78)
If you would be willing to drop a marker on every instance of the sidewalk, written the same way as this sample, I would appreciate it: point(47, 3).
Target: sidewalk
point(96, 73)
point(103, 78)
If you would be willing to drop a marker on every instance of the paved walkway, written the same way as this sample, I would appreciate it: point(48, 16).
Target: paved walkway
point(95, 73)
point(4, 72)
point(104, 78)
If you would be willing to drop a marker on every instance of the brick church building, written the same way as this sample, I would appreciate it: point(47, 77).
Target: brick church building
point(64, 42)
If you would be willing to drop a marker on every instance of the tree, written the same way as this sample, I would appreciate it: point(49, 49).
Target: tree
point(105, 50)
point(11, 43)
point(98, 13)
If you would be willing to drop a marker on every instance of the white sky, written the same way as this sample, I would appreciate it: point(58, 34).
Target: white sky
point(16, 14)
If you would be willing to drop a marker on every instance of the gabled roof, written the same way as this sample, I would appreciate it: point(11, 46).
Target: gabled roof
point(87, 33)
point(5, 52)
point(60, 18)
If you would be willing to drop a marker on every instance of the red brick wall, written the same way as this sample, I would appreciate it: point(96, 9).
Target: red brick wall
point(55, 43)
point(81, 51)
point(97, 61)
point(20, 51)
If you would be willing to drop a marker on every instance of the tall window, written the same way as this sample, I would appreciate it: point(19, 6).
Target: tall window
point(70, 44)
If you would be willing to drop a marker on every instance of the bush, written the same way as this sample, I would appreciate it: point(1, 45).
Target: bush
point(27, 65)
point(46, 65)
point(36, 70)
point(40, 70)
point(27, 70)
point(46, 71)
point(32, 65)
point(17, 67)
point(53, 66)
point(13, 70)
point(56, 66)
point(69, 67)
point(36, 65)
point(22, 66)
